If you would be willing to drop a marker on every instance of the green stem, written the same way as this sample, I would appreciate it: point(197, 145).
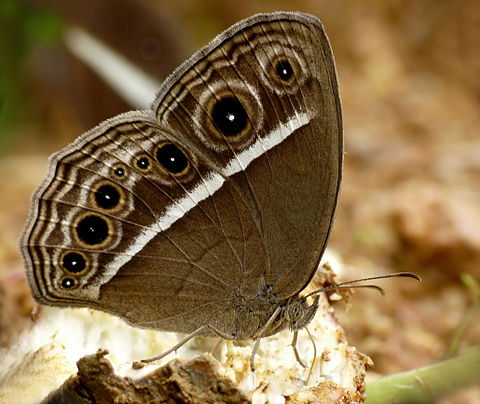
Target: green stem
point(473, 285)
point(459, 333)
point(427, 384)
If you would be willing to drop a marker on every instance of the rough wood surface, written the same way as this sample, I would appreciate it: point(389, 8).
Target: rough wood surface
point(195, 381)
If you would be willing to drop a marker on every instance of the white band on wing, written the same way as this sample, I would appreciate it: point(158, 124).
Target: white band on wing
point(210, 184)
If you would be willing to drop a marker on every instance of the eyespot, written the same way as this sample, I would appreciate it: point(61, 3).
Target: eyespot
point(284, 70)
point(172, 158)
point(285, 73)
point(107, 196)
point(68, 283)
point(74, 262)
point(143, 163)
point(229, 116)
point(92, 230)
point(119, 171)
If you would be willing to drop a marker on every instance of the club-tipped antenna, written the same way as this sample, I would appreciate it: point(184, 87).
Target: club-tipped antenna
point(350, 284)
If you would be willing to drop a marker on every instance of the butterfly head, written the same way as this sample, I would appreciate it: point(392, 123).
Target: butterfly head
point(298, 313)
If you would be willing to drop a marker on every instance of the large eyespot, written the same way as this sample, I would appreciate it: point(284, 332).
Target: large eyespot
point(74, 262)
point(107, 196)
point(92, 230)
point(172, 158)
point(143, 163)
point(229, 116)
point(234, 115)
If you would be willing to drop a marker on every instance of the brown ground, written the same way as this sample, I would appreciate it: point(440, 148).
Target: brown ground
point(410, 82)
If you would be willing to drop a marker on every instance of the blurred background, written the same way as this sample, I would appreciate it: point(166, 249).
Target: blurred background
point(409, 75)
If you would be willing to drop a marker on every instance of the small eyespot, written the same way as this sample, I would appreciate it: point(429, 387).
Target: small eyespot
point(68, 283)
point(172, 158)
point(284, 70)
point(74, 262)
point(119, 171)
point(107, 196)
point(143, 163)
point(229, 116)
point(92, 230)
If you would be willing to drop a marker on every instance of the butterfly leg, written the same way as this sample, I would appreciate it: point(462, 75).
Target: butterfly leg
point(260, 333)
point(198, 331)
point(297, 357)
point(314, 354)
point(295, 352)
point(254, 352)
point(217, 345)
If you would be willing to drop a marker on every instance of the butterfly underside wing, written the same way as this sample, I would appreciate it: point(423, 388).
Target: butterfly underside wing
point(214, 206)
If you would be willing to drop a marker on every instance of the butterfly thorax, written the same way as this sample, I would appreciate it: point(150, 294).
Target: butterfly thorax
point(260, 317)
